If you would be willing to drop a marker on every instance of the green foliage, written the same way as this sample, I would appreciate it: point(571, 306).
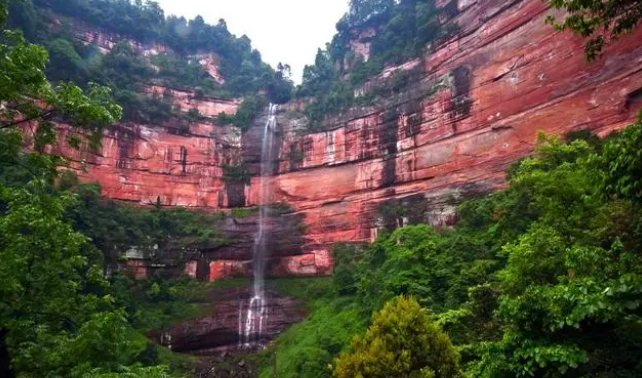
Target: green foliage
point(127, 72)
point(236, 174)
point(23, 80)
point(597, 21)
point(540, 280)
point(403, 29)
point(571, 286)
point(194, 115)
point(401, 342)
point(66, 63)
point(130, 372)
point(159, 233)
point(344, 279)
point(307, 349)
point(159, 303)
point(59, 316)
point(56, 305)
point(436, 268)
point(623, 164)
point(23, 17)
point(369, 11)
point(248, 111)
point(184, 73)
point(279, 89)
point(339, 97)
point(240, 213)
point(241, 65)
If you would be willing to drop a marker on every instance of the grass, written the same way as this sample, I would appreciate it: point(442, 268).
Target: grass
point(180, 365)
point(307, 349)
point(231, 283)
point(245, 212)
point(306, 290)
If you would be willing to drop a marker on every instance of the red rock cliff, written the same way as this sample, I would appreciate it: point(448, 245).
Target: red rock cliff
point(476, 105)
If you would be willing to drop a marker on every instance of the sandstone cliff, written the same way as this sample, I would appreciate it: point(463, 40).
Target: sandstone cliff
point(474, 105)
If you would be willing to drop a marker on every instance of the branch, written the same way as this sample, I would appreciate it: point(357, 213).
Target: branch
point(44, 115)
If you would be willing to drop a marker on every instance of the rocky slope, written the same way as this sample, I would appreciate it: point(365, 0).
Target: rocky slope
point(474, 104)
point(218, 331)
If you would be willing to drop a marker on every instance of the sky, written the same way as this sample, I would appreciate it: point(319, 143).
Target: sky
point(288, 31)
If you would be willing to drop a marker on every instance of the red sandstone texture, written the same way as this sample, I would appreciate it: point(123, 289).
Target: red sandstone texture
point(141, 163)
point(207, 107)
point(477, 105)
point(505, 77)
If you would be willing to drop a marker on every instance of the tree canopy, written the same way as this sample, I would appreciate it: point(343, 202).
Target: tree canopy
point(542, 279)
point(401, 342)
point(57, 316)
point(598, 21)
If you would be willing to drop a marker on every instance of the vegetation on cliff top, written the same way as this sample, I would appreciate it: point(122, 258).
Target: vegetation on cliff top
point(396, 31)
point(129, 73)
point(599, 21)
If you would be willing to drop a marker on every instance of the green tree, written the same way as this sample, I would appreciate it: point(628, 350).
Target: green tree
point(23, 81)
point(401, 342)
point(279, 88)
point(597, 20)
point(363, 11)
point(55, 304)
point(57, 318)
point(66, 61)
point(570, 292)
point(623, 167)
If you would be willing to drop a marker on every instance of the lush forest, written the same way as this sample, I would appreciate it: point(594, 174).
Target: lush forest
point(543, 279)
point(397, 31)
point(127, 71)
point(64, 310)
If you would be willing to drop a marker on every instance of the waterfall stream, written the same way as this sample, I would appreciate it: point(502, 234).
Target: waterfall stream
point(252, 321)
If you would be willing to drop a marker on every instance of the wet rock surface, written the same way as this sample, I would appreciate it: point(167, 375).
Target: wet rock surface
point(218, 331)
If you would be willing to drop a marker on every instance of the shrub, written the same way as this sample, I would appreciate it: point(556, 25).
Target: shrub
point(401, 342)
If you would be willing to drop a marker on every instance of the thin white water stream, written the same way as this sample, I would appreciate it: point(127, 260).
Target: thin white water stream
point(252, 322)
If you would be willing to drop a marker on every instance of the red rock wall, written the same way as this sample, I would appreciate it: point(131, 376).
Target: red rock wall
point(476, 107)
point(179, 162)
point(207, 107)
point(502, 79)
point(142, 163)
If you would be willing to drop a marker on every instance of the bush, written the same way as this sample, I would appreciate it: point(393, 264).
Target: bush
point(247, 112)
point(401, 342)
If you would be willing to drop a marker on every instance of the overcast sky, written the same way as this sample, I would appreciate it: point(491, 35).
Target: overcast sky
point(288, 31)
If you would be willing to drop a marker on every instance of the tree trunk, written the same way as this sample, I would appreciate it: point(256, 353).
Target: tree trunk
point(5, 359)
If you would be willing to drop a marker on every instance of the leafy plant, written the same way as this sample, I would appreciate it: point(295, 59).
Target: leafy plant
point(597, 20)
point(401, 342)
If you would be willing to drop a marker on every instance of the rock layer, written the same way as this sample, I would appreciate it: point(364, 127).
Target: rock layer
point(219, 331)
point(474, 106)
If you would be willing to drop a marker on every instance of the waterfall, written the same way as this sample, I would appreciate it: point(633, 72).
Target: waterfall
point(252, 321)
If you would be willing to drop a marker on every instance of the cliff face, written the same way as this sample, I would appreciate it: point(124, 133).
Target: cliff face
point(473, 105)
